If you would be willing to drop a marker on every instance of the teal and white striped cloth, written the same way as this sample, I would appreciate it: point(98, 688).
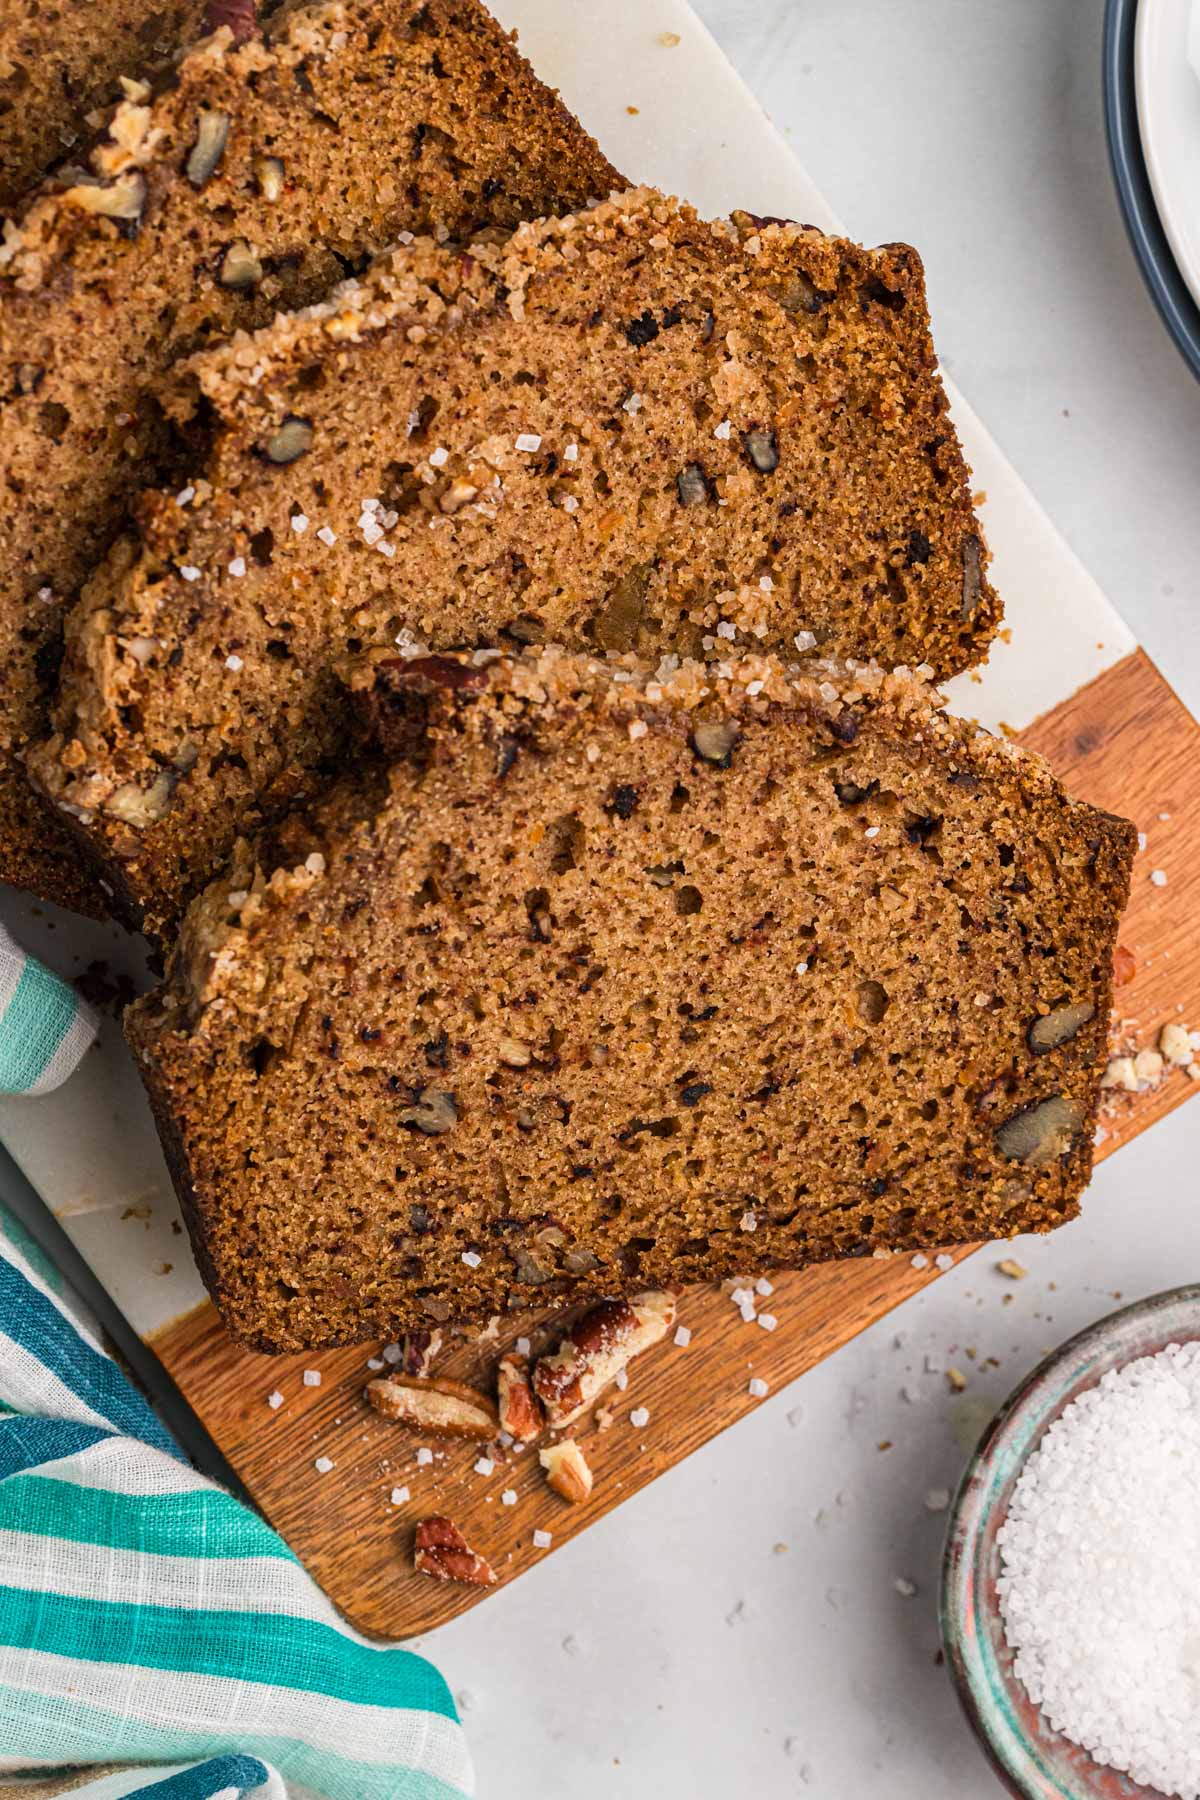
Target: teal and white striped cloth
point(44, 1025)
point(154, 1633)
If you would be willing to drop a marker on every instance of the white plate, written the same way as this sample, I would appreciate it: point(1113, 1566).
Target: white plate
point(648, 80)
point(1168, 104)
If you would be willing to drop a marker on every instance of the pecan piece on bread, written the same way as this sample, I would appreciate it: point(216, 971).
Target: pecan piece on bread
point(520, 1414)
point(441, 1550)
point(567, 1470)
point(428, 1403)
point(417, 1351)
point(595, 1350)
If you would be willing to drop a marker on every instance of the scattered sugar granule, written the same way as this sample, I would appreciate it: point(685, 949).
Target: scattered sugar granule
point(764, 1287)
point(523, 1346)
point(1159, 877)
point(943, 1262)
point(275, 1400)
point(748, 1312)
point(509, 1497)
point(726, 630)
point(484, 1465)
point(238, 566)
point(723, 430)
point(683, 1336)
point(323, 1465)
point(937, 1499)
point(299, 523)
point(904, 1586)
point(768, 1321)
point(748, 1222)
point(570, 452)
point(184, 495)
point(637, 729)
point(424, 1456)
point(392, 1353)
point(622, 1379)
point(233, 662)
point(314, 862)
point(472, 1258)
point(399, 1496)
point(570, 504)
point(312, 1377)
point(757, 1387)
point(441, 456)
point(529, 440)
point(802, 968)
point(189, 571)
point(542, 1540)
point(639, 1416)
point(872, 831)
point(920, 1260)
point(375, 1363)
point(633, 404)
point(327, 535)
point(1142, 841)
point(1165, 817)
point(1099, 1586)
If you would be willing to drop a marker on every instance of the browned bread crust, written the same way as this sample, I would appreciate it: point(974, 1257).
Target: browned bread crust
point(254, 181)
point(628, 428)
point(618, 977)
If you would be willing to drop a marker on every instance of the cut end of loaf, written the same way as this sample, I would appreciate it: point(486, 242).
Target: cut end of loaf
point(619, 977)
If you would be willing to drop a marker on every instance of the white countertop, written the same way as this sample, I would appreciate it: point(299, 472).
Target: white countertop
point(673, 1649)
point(704, 1662)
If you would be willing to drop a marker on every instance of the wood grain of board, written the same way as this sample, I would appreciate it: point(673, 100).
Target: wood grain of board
point(1126, 743)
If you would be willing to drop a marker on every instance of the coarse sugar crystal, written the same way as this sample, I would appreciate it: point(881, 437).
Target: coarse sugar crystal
point(1100, 1580)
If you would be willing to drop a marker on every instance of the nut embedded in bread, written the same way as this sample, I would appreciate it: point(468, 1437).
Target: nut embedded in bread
point(628, 429)
point(774, 937)
point(249, 185)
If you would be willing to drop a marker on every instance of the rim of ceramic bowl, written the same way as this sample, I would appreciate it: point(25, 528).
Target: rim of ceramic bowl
point(1140, 1329)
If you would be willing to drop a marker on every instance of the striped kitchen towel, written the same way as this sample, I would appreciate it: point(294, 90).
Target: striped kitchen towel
point(155, 1635)
point(44, 1025)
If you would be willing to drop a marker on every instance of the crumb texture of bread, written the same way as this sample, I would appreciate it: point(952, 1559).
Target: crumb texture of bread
point(614, 979)
point(253, 181)
point(627, 429)
point(61, 62)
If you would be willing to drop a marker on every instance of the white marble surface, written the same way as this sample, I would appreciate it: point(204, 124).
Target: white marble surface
point(976, 131)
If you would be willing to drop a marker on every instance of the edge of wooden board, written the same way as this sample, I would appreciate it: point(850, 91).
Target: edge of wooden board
point(1126, 743)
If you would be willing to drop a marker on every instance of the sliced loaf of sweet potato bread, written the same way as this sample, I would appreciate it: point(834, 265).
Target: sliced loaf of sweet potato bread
point(261, 175)
point(612, 978)
point(628, 429)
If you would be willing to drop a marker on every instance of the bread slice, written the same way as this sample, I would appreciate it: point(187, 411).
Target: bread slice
point(257, 180)
point(628, 429)
point(59, 63)
point(615, 979)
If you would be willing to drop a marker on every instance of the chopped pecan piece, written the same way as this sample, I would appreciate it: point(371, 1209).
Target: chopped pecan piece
point(418, 1351)
point(595, 1350)
point(520, 1414)
point(448, 1408)
point(441, 1550)
point(567, 1470)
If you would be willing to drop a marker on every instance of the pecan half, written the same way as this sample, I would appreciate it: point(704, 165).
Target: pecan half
point(427, 1403)
point(567, 1470)
point(441, 1550)
point(595, 1350)
point(520, 1414)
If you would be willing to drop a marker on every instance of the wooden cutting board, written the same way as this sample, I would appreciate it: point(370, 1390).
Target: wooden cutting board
point(1124, 742)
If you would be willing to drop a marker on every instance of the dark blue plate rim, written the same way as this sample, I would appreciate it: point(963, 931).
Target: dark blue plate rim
point(1168, 290)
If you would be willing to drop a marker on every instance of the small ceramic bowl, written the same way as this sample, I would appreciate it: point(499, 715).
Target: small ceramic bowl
point(1033, 1761)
